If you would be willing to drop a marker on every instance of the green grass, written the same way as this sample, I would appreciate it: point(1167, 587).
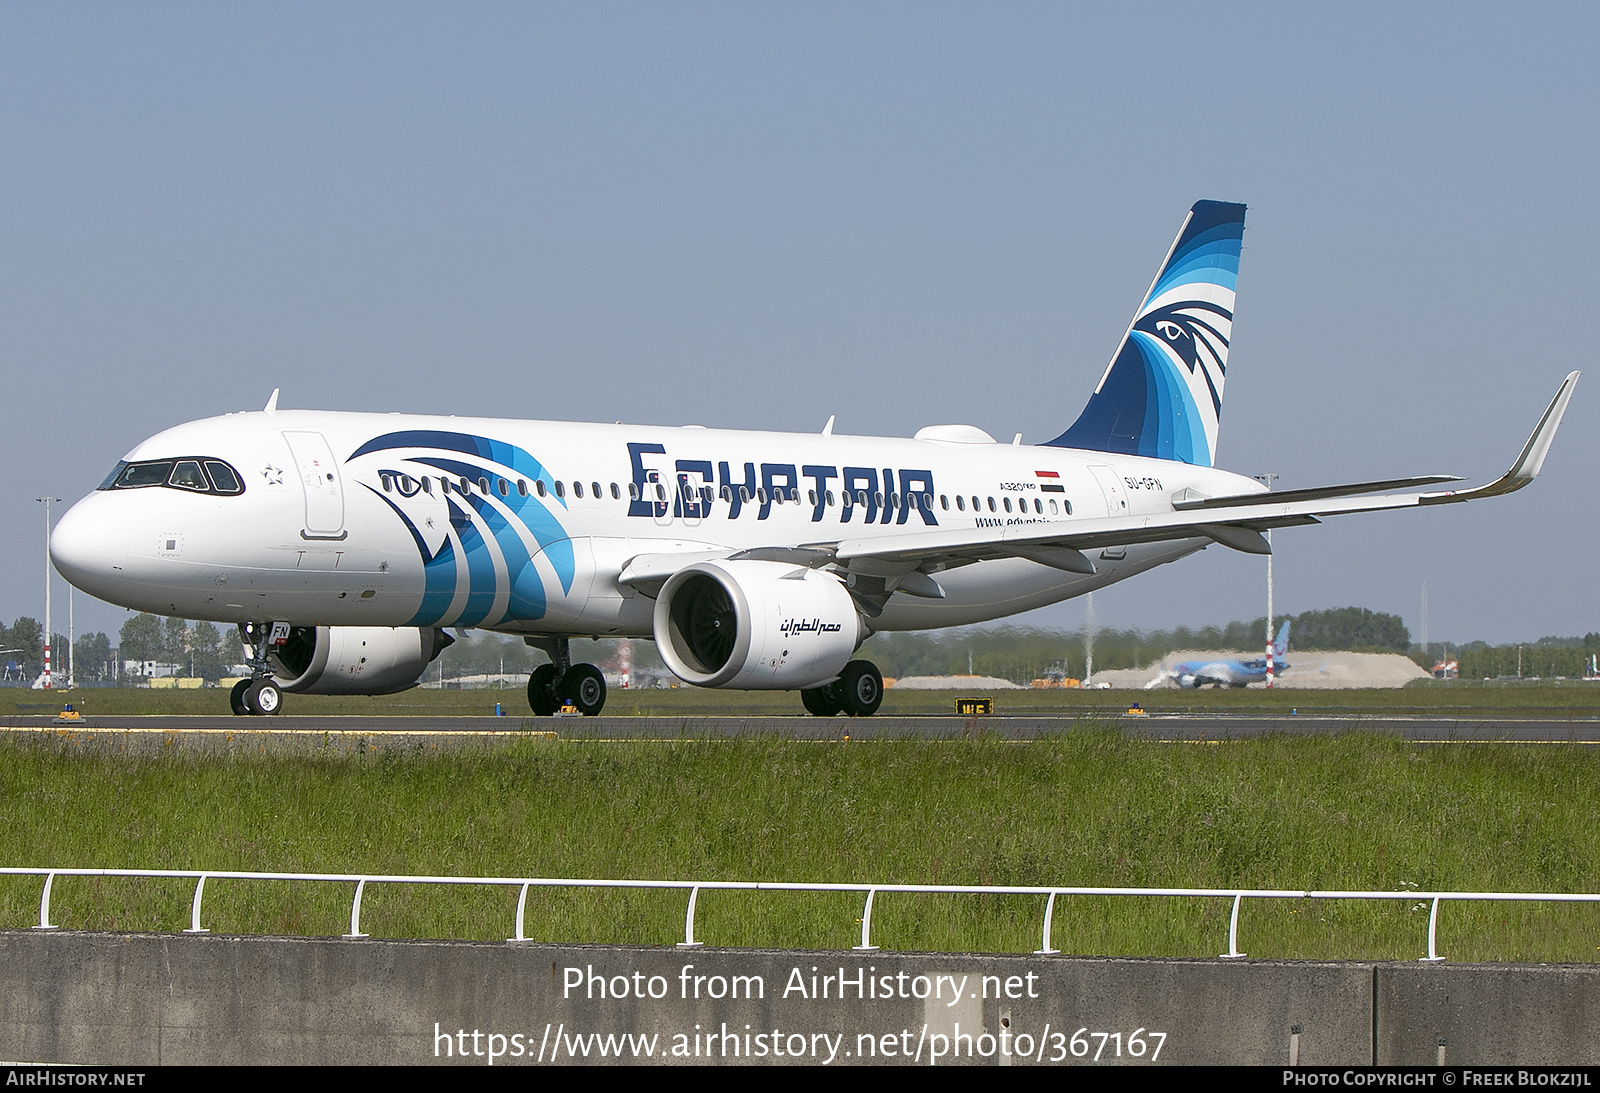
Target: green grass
point(1573, 698)
point(1087, 808)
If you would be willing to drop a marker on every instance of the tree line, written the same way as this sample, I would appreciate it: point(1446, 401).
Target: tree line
point(1009, 652)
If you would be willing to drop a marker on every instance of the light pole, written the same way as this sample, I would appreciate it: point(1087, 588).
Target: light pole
point(47, 501)
point(1267, 480)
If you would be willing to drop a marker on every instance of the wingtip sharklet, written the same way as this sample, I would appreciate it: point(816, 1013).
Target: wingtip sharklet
point(1530, 461)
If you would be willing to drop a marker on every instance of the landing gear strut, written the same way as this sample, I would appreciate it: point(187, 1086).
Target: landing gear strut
point(259, 695)
point(560, 682)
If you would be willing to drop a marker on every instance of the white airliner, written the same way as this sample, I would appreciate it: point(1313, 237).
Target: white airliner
point(343, 544)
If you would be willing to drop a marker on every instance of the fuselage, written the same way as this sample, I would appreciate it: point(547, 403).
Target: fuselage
point(350, 519)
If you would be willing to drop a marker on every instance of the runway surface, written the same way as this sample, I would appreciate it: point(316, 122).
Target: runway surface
point(209, 733)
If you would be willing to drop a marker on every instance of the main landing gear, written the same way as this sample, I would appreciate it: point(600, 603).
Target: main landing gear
point(554, 685)
point(260, 695)
point(858, 692)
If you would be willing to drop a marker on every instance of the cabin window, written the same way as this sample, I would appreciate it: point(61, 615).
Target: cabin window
point(483, 486)
point(616, 494)
point(1067, 505)
point(522, 488)
point(577, 489)
point(595, 490)
point(427, 486)
point(961, 503)
point(991, 504)
point(538, 486)
point(829, 496)
point(633, 491)
point(1007, 501)
point(1053, 508)
point(561, 490)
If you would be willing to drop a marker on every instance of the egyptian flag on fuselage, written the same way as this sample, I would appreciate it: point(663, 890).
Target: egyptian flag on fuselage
point(1049, 482)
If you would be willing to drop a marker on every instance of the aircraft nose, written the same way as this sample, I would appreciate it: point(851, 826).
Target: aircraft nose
point(88, 548)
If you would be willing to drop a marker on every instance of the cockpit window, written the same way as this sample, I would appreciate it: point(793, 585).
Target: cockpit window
point(223, 478)
point(132, 476)
point(182, 474)
point(187, 475)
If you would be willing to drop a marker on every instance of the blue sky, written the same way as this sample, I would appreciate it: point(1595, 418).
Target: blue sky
point(760, 215)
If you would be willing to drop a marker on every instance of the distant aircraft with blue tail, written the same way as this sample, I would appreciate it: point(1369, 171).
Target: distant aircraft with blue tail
point(1227, 672)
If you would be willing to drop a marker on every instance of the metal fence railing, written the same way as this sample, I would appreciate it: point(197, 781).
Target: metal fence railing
point(1237, 895)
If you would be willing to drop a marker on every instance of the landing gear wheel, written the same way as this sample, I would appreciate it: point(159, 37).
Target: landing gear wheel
point(542, 691)
point(861, 688)
point(236, 698)
point(585, 688)
point(823, 701)
point(263, 697)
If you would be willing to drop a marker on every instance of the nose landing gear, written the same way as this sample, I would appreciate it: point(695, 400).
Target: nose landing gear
point(260, 695)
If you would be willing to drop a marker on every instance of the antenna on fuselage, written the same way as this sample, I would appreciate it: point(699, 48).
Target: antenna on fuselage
point(827, 430)
point(272, 403)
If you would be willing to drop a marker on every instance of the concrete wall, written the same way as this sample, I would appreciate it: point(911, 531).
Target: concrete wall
point(164, 999)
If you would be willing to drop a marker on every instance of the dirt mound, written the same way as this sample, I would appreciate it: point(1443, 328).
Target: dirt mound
point(952, 683)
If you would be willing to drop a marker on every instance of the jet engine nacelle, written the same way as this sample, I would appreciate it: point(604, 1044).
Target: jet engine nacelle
point(356, 660)
point(756, 625)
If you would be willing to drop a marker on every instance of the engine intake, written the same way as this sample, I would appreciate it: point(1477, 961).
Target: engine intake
point(356, 660)
point(755, 625)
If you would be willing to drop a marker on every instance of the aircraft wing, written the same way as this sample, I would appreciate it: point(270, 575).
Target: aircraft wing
point(1234, 522)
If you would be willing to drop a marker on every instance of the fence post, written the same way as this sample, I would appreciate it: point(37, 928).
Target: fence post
point(194, 908)
point(1433, 924)
point(866, 945)
point(688, 941)
point(355, 912)
point(522, 902)
point(1233, 952)
point(44, 904)
point(1044, 948)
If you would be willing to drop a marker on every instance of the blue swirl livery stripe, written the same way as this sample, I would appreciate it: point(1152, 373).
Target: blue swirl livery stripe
point(438, 572)
point(474, 520)
point(1162, 394)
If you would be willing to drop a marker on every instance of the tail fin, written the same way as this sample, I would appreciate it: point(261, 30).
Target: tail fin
point(1162, 394)
point(1281, 646)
